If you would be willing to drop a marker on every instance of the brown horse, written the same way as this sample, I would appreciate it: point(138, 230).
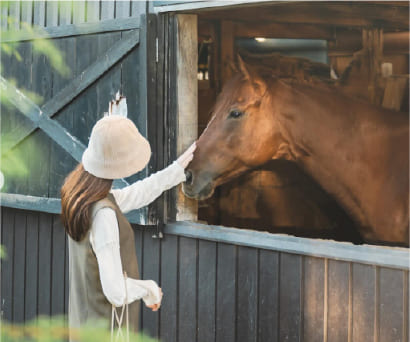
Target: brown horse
point(357, 152)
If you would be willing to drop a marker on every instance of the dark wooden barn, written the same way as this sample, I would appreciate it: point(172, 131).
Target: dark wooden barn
point(219, 283)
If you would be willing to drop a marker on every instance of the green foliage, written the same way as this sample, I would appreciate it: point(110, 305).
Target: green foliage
point(3, 252)
point(14, 163)
point(55, 329)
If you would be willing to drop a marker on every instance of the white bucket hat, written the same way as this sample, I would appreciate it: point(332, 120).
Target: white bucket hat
point(116, 149)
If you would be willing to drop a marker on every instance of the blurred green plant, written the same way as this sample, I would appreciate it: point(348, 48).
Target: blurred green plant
point(46, 329)
point(14, 163)
point(3, 252)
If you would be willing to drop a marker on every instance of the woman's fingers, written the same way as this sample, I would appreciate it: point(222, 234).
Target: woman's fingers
point(186, 157)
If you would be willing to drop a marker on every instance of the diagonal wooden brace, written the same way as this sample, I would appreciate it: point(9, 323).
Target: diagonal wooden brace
point(65, 96)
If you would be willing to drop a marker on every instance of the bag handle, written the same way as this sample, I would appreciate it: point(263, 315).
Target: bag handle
point(118, 318)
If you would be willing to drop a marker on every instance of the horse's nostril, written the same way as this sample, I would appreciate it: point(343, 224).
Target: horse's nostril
point(188, 175)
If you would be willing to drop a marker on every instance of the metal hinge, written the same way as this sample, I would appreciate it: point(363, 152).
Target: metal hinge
point(156, 50)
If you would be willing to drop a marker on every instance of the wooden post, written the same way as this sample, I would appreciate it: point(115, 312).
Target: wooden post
point(227, 49)
point(187, 97)
point(372, 40)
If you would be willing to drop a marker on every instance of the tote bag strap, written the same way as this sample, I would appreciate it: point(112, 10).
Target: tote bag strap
point(117, 318)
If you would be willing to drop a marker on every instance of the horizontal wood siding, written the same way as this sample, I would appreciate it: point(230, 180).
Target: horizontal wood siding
point(215, 291)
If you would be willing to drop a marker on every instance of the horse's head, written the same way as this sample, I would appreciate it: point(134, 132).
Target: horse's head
point(240, 135)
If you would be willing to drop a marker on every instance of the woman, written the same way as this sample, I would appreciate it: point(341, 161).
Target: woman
point(101, 240)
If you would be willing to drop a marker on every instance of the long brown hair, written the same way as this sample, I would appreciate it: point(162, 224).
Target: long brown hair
point(80, 190)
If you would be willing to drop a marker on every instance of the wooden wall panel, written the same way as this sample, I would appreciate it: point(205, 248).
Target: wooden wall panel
point(187, 289)
point(169, 285)
point(247, 295)
point(290, 300)
point(31, 271)
point(7, 240)
point(44, 264)
point(314, 297)
point(19, 267)
point(206, 290)
point(268, 317)
point(339, 305)
point(215, 291)
point(226, 293)
point(150, 270)
point(391, 305)
point(58, 244)
point(364, 306)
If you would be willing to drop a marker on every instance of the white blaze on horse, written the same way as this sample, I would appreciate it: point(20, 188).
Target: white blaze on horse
point(357, 152)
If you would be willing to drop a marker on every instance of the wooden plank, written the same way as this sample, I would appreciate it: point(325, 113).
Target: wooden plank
point(60, 161)
point(290, 288)
point(169, 284)
point(314, 297)
point(364, 292)
point(84, 114)
point(406, 306)
point(151, 270)
point(57, 266)
point(139, 249)
point(31, 280)
point(393, 257)
point(52, 14)
point(7, 240)
point(14, 15)
point(19, 260)
point(44, 204)
point(188, 273)
point(93, 11)
point(319, 13)
point(4, 10)
point(50, 205)
point(21, 73)
point(338, 301)
point(65, 13)
point(44, 262)
point(226, 293)
point(72, 30)
point(27, 12)
point(79, 14)
point(41, 84)
point(391, 305)
point(268, 317)
point(247, 296)
point(66, 95)
point(206, 291)
point(39, 14)
point(154, 120)
point(66, 275)
point(138, 8)
point(187, 112)
point(122, 9)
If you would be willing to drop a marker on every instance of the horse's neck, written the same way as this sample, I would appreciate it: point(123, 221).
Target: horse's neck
point(335, 140)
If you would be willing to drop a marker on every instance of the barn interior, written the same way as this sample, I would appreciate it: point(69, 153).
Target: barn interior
point(364, 43)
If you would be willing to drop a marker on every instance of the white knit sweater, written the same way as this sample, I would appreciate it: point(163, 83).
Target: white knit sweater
point(104, 236)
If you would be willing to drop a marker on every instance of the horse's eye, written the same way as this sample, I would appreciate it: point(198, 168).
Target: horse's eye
point(235, 114)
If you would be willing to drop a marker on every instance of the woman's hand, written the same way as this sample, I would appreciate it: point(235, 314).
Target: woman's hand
point(155, 307)
point(186, 157)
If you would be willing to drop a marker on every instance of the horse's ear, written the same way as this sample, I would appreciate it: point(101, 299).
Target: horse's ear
point(250, 75)
point(243, 69)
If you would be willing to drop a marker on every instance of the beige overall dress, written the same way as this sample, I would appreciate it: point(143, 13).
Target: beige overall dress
point(87, 302)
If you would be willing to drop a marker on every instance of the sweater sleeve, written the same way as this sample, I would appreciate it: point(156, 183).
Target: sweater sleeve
point(104, 239)
point(143, 192)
